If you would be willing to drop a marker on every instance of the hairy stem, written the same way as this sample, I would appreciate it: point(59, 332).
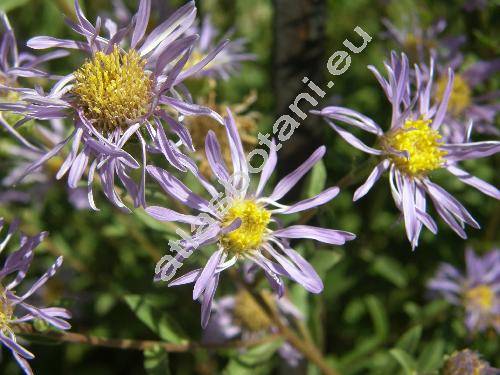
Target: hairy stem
point(128, 344)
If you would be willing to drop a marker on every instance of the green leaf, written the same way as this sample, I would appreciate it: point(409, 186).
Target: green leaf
point(390, 270)
point(260, 353)
point(8, 5)
point(354, 310)
point(299, 297)
point(379, 316)
point(156, 361)
point(237, 368)
point(405, 360)
point(361, 350)
point(104, 303)
point(431, 358)
point(255, 360)
point(160, 322)
point(410, 339)
point(324, 260)
point(316, 180)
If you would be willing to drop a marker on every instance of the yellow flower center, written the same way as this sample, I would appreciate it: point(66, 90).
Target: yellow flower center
point(460, 97)
point(254, 221)
point(481, 296)
point(249, 315)
point(421, 143)
point(114, 89)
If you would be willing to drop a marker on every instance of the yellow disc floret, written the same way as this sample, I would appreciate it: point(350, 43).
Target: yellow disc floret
point(481, 296)
point(249, 314)
point(421, 143)
point(460, 97)
point(113, 89)
point(254, 221)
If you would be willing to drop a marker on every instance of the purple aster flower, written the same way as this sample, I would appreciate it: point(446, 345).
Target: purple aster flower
point(12, 66)
point(122, 91)
point(422, 43)
point(38, 183)
point(467, 362)
point(15, 309)
point(463, 105)
point(240, 316)
point(472, 5)
point(478, 291)
point(243, 224)
point(225, 63)
point(412, 148)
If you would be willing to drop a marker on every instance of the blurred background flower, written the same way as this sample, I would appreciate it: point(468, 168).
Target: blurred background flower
point(478, 291)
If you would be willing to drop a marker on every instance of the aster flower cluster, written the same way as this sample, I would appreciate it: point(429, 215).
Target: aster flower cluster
point(124, 120)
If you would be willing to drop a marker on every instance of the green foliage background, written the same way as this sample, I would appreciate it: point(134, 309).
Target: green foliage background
point(373, 317)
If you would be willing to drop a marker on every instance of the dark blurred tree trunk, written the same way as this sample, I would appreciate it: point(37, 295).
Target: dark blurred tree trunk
point(298, 52)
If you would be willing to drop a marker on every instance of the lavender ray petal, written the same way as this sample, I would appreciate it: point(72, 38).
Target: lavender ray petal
point(352, 118)
point(214, 157)
point(141, 22)
point(187, 278)
point(206, 305)
point(451, 203)
point(476, 182)
point(330, 236)
point(409, 210)
point(268, 168)
point(43, 279)
point(176, 24)
point(236, 147)
point(168, 215)
point(290, 180)
point(207, 274)
point(372, 178)
point(15, 347)
point(318, 200)
point(173, 187)
point(353, 141)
